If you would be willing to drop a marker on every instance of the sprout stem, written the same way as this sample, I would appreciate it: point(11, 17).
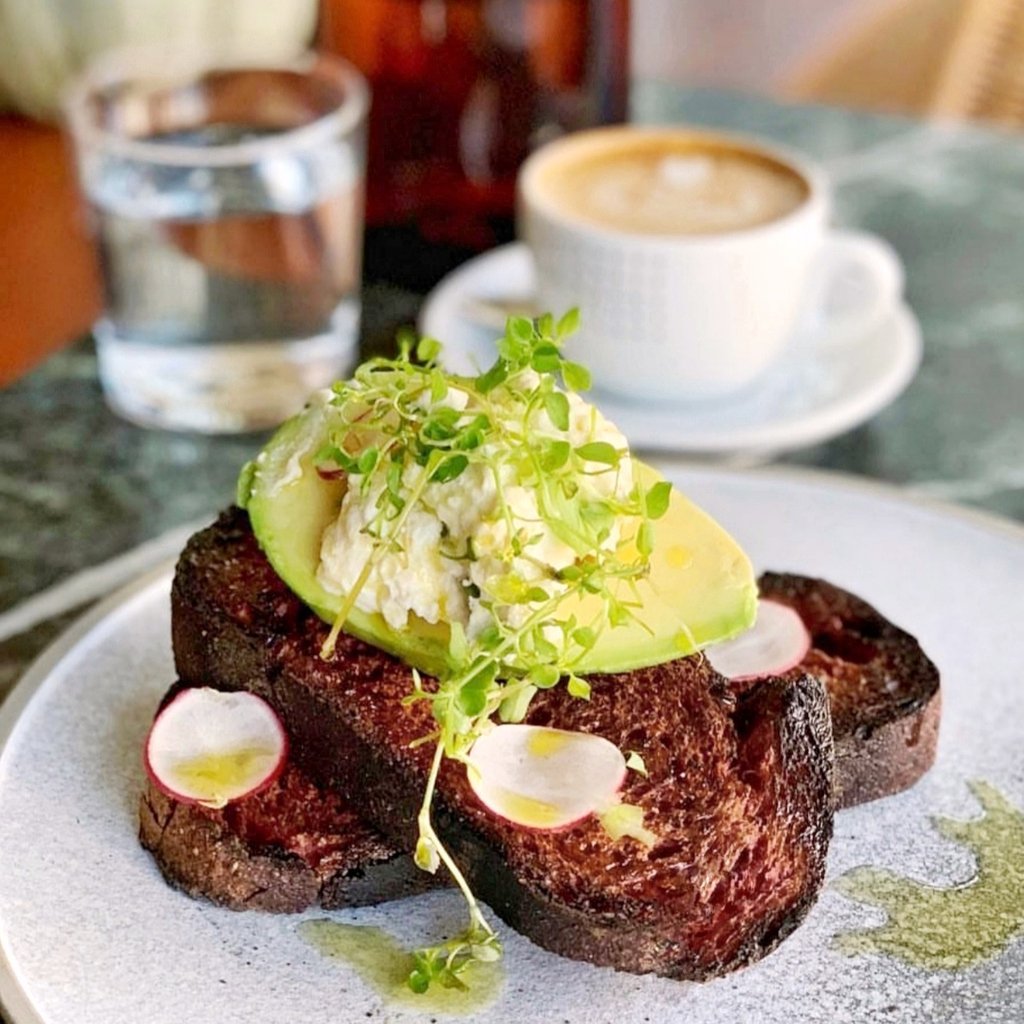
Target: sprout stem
point(476, 917)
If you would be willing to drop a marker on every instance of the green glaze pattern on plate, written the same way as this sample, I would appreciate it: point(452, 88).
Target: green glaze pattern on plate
point(957, 926)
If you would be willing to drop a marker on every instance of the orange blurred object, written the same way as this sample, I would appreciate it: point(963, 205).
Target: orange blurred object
point(49, 279)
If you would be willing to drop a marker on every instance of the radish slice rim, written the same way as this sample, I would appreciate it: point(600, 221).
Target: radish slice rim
point(544, 779)
point(210, 747)
point(777, 642)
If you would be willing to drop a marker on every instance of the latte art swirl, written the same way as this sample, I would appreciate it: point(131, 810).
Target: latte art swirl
point(665, 188)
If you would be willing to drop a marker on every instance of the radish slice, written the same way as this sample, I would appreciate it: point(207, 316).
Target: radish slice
point(544, 778)
point(777, 642)
point(208, 747)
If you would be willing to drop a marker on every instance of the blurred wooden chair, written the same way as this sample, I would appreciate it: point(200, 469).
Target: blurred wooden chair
point(943, 58)
point(982, 75)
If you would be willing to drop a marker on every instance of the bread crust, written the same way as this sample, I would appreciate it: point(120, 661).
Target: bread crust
point(286, 849)
point(883, 690)
point(739, 788)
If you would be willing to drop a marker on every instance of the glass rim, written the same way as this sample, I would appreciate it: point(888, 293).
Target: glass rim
point(120, 66)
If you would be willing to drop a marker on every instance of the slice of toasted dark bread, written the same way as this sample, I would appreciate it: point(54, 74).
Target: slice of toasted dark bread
point(738, 788)
point(883, 690)
point(289, 847)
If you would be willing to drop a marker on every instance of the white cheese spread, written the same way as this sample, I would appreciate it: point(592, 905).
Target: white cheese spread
point(467, 534)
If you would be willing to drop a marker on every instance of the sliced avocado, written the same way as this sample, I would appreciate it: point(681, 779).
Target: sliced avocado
point(290, 505)
point(700, 590)
point(701, 586)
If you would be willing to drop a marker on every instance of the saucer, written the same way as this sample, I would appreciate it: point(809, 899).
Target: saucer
point(820, 388)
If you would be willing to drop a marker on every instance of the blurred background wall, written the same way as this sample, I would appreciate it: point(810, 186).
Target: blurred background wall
point(755, 45)
point(945, 58)
point(957, 58)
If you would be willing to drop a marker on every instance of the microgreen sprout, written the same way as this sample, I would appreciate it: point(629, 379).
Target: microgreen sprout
point(403, 424)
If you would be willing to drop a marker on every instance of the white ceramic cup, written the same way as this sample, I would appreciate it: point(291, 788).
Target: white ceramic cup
point(695, 316)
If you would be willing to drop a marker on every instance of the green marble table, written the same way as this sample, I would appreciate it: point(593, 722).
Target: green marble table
point(78, 486)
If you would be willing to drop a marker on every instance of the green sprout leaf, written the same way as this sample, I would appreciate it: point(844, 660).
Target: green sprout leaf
point(599, 451)
point(438, 386)
point(426, 857)
point(575, 376)
point(450, 469)
point(544, 676)
point(406, 343)
point(458, 648)
point(618, 613)
point(556, 405)
point(367, 461)
point(546, 359)
point(645, 539)
point(636, 763)
point(658, 498)
point(627, 820)
point(419, 980)
point(428, 349)
point(514, 707)
point(585, 637)
point(495, 376)
point(446, 964)
point(579, 688)
point(520, 328)
point(554, 455)
point(569, 323)
point(472, 696)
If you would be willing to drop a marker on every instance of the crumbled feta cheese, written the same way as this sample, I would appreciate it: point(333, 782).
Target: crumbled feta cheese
point(457, 543)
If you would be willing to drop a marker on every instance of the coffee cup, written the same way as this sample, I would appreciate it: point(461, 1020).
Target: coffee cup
point(695, 257)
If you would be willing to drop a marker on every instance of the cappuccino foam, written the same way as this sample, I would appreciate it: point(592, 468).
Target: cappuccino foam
point(656, 187)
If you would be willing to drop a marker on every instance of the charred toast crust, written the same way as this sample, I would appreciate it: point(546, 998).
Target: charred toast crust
point(289, 847)
point(738, 788)
point(883, 690)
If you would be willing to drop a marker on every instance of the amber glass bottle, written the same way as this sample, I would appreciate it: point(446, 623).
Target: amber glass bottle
point(463, 90)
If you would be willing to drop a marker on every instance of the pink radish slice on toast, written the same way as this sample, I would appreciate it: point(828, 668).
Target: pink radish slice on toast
point(544, 778)
point(208, 747)
point(777, 642)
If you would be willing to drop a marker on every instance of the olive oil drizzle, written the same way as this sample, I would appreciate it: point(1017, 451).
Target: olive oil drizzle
point(385, 966)
point(955, 927)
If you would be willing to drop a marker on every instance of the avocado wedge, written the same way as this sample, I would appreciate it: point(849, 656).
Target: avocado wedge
point(700, 589)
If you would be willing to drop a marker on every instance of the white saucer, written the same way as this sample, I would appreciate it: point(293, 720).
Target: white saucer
point(821, 388)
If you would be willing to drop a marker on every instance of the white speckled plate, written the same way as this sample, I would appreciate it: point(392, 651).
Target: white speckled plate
point(89, 934)
point(820, 388)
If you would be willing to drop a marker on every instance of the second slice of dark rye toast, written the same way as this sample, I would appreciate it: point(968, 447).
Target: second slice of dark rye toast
point(765, 757)
point(883, 690)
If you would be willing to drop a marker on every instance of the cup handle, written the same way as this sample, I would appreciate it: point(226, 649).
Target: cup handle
point(857, 282)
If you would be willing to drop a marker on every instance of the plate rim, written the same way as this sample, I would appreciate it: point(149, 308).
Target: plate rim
point(15, 1004)
point(790, 432)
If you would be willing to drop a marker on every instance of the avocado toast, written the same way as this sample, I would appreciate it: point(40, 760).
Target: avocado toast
point(425, 562)
point(740, 858)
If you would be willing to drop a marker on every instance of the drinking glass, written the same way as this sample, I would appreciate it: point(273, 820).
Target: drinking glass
point(226, 199)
